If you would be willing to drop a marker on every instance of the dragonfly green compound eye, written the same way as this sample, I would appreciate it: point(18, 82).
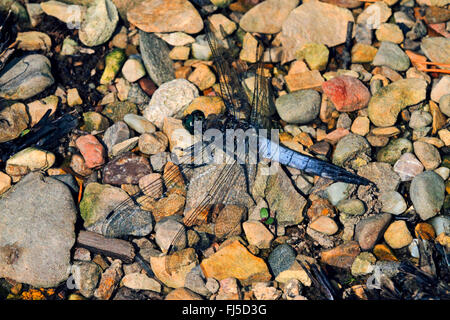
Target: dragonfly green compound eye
point(190, 119)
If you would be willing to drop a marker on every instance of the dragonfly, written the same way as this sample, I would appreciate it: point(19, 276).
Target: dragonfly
point(246, 110)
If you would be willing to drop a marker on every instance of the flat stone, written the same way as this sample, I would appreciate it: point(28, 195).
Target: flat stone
point(304, 80)
point(115, 134)
point(170, 232)
point(15, 121)
point(381, 174)
point(86, 275)
point(350, 149)
point(374, 15)
point(389, 32)
point(128, 168)
point(347, 93)
point(133, 69)
point(427, 154)
point(369, 230)
point(234, 261)
point(166, 16)
point(391, 55)
point(37, 232)
point(437, 49)
point(341, 256)
point(394, 150)
point(139, 123)
point(109, 281)
point(257, 234)
point(139, 281)
point(202, 77)
point(363, 53)
point(34, 40)
point(393, 202)
point(314, 21)
point(427, 193)
point(26, 78)
point(183, 294)
point(92, 150)
point(407, 167)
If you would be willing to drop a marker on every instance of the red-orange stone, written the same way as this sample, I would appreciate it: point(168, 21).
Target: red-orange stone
point(92, 150)
point(347, 93)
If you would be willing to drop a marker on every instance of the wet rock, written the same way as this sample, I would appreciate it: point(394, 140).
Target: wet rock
point(381, 174)
point(281, 259)
point(363, 264)
point(397, 235)
point(26, 77)
point(116, 111)
point(173, 269)
point(98, 23)
point(92, 151)
point(387, 102)
point(361, 126)
point(314, 22)
point(341, 256)
point(354, 207)
point(29, 159)
point(427, 154)
point(369, 230)
point(394, 151)
point(391, 55)
point(113, 63)
point(126, 169)
point(115, 134)
point(170, 232)
point(268, 16)
point(351, 149)
point(15, 121)
point(170, 100)
point(427, 193)
point(109, 281)
point(257, 234)
point(139, 281)
point(299, 107)
point(407, 167)
point(86, 275)
point(347, 93)
point(44, 208)
point(234, 261)
point(393, 202)
point(166, 16)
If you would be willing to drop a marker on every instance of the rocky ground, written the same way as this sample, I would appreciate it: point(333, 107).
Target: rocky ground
point(377, 105)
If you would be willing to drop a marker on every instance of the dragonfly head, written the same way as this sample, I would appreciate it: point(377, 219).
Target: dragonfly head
point(190, 120)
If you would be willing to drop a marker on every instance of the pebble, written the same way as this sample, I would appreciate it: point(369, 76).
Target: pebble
point(347, 93)
point(389, 32)
point(381, 174)
point(35, 13)
point(29, 159)
point(387, 102)
point(391, 55)
point(304, 80)
point(437, 49)
point(250, 52)
point(207, 105)
point(281, 259)
point(200, 48)
point(228, 222)
point(363, 53)
point(176, 39)
point(165, 16)
point(113, 63)
point(139, 123)
point(43, 207)
point(124, 146)
point(299, 107)
point(67, 13)
point(257, 234)
point(73, 97)
point(427, 154)
point(94, 121)
point(393, 202)
point(133, 69)
point(234, 261)
point(180, 53)
point(268, 16)
point(127, 168)
point(420, 119)
point(441, 224)
point(153, 143)
point(315, 55)
point(170, 99)
point(427, 193)
point(169, 230)
point(139, 281)
point(26, 77)
point(86, 275)
point(338, 191)
point(441, 89)
point(354, 207)
point(265, 291)
point(341, 256)
point(5, 182)
point(155, 55)
point(202, 77)
point(33, 40)
point(397, 235)
point(444, 172)
point(92, 151)
point(116, 111)
point(99, 23)
point(109, 281)
point(116, 134)
point(369, 230)
point(444, 104)
point(229, 290)
point(314, 21)
point(360, 126)
point(394, 151)
point(407, 166)
point(350, 149)
point(16, 121)
point(364, 264)
point(374, 15)
point(325, 225)
point(182, 294)
point(219, 22)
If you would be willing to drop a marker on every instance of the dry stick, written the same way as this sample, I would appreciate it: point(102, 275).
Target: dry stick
point(111, 247)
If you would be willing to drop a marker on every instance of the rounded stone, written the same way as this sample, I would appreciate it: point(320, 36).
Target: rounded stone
point(427, 194)
point(299, 107)
point(397, 235)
